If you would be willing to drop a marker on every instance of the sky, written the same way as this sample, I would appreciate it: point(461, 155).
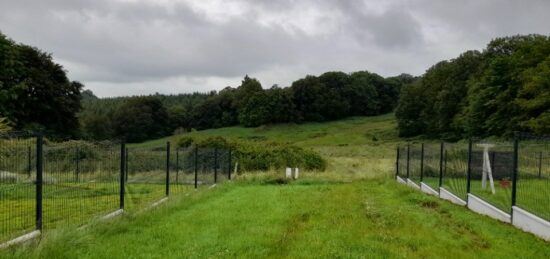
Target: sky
point(136, 47)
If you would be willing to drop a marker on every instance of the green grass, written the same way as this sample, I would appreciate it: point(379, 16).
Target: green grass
point(73, 204)
point(359, 147)
point(308, 218)
point(354, 209)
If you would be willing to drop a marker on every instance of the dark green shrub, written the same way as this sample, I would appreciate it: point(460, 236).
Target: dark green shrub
point(263, 155)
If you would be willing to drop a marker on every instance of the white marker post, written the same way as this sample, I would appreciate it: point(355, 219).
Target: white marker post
point(288, 172)
point(296, 172)
point(487, 171)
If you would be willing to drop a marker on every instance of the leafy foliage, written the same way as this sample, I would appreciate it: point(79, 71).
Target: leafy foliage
point(141, 118)
point(262, 156)
point(35, 92)
point(493, 93)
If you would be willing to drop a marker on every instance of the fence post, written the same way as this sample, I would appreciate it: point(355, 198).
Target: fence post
point(441, 148)
point(215, 164)
point(229, 166)
point(540, 165)
point(397, 163)
point(196, 172)
point(126, 164)
point(123, 171)
point(421, 162)
point(515, 173)
point(469, 168)
point(167, 168)
point(39, 182)
point(408, 158)
point(77, 164)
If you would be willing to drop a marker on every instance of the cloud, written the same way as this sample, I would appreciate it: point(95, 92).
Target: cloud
point(144, 46)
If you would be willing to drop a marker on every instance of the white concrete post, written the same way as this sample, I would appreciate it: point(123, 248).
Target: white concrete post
point(288, 172)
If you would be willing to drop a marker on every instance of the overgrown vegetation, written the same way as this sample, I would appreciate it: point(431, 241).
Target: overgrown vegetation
point(503, 89)
point(262, 155)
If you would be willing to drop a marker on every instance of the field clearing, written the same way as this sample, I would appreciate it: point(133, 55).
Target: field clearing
point(258, 217)
point(353, 209)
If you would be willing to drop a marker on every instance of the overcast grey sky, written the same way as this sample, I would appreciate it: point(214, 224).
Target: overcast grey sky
point(129, 47)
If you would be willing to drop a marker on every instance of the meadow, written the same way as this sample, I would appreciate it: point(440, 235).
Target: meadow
point(353, 209)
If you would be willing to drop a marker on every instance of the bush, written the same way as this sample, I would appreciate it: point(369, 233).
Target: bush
point(262, 155)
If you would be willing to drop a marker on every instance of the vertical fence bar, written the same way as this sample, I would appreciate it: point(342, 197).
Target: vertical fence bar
point(397, 163)
point(123, 171)
point(215, 164)
point(421, 162)
point(177, 165)
point(540, 165)
point(39, 182)
point(469, 168)
point(441, 148)
point(77, 172)
point(29, 161)
point(126, 164)
point(167, 168)
point(195, 165)
point(408, 158)
point(515, 172)
point(229, 166)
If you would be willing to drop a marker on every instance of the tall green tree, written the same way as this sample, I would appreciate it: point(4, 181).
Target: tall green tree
point(141, 118)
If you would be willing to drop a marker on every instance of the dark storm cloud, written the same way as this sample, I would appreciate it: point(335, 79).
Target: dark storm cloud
point(145, 46)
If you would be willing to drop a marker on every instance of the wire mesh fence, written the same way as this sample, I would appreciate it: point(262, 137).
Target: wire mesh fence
point(80, 181)
point(401, 167)
point(492, 170)
point(415, 162)
point(455, 169)
point(431, 165)
point(501, 173)
point(533, 179)
point(17, 189)
point(145, 175)
point(44, 184)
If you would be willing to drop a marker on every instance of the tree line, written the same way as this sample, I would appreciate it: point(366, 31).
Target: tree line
point(330, 96)
point(35, 93)
point(501, 90)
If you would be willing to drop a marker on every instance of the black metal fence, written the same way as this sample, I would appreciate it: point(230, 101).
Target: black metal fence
point(504, 174)
point(44, 184)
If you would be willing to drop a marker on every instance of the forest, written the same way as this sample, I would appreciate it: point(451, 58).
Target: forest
point(500, 90)
point(330, 96)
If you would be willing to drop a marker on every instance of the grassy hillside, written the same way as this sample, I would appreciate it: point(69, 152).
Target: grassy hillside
point(358, 147)
point(354, 209)
point(309, 218)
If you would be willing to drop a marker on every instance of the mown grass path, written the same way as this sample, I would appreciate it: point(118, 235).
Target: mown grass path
point(304, 219)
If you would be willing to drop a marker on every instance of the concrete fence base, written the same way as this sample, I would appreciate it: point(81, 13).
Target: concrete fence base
point(21, 239)
point(427, 189)
point(520, 218)
point(447, 195)
point(482, 207)
point(112, 214)
point(401, 180)
point(529, 222)
point(412, 184)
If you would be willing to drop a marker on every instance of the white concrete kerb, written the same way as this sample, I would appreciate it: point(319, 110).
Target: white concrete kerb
point(482, 207)
point(529, 222)
point(21, 239)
